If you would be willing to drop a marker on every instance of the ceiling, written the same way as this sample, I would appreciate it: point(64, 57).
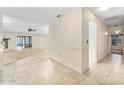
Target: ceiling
point(112, 17)
point(34, 14)
point(19, 19)
point(11, 24)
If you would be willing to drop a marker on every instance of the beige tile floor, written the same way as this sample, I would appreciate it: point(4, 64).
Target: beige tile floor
point(33, 67)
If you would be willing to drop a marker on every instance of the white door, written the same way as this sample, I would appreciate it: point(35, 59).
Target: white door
point(92, 42)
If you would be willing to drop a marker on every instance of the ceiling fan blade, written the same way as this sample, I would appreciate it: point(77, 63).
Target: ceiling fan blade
point(34, 30)
point(30, 30)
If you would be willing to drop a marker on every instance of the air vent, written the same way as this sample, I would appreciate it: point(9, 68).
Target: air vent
point(112, 18)
point(58, 16)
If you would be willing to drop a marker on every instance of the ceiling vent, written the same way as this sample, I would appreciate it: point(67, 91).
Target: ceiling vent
point(112, 18)
point(58, 16)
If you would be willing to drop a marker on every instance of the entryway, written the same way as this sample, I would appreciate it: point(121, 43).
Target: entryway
point(117, 44)
point(5, 43)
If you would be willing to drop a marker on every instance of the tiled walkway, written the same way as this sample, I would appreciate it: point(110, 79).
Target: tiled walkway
point(33, 66)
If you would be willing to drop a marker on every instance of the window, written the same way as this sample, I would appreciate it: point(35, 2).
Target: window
point(116, 39)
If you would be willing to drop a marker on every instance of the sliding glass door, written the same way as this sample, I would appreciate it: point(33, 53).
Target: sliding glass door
point(24, 42)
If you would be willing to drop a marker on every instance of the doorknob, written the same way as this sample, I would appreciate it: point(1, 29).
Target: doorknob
point(87, 41)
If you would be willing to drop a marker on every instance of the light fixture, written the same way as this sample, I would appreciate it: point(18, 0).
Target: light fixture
point(103, 8)
point(117, 31)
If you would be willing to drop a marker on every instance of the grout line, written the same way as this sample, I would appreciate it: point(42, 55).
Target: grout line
point(109, 73)
point(107, 77)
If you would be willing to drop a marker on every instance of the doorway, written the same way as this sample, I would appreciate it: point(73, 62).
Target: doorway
point(24, 42)
point(117, 44)
point(5, 43)
point(92, 42)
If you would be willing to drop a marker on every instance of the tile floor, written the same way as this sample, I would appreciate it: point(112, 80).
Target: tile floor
point(33, 67)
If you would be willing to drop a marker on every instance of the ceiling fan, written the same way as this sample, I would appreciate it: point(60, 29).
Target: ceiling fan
point(31, 30)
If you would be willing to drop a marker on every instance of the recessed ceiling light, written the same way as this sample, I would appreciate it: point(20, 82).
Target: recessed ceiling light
point(117, 31)
point(103, 8)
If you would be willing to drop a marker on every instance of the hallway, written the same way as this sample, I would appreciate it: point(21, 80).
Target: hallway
point(32, 66)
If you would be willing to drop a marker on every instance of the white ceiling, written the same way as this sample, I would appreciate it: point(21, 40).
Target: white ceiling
point(11, 24)
point(19, 19)
point(113, 16)
point(34, 14)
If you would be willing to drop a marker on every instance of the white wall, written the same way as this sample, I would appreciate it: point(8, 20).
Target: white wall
point(1, 45)
point(66, 40)
point(102, 33)
point(38, 41)
point(69, 35)
point(1, 35)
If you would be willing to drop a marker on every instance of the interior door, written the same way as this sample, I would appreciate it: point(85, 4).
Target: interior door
point(92, 42)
